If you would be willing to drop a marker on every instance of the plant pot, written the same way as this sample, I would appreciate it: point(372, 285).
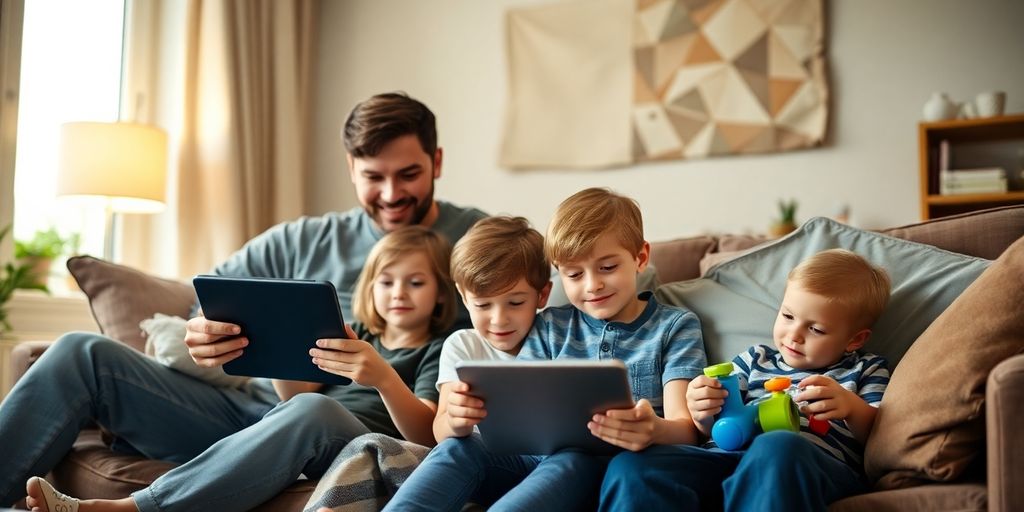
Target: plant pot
point(778, 229)
point(40, 269)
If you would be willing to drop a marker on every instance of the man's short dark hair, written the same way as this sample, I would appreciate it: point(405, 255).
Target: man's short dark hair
point(383, 118)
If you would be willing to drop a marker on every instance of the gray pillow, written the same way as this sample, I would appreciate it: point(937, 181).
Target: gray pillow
point(737, 300)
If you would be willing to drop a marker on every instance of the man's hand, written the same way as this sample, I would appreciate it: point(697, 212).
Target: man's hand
point(632, 429)
point(212, 344)
point(464, 411)
point(704, 399)
point(352, 358)
point(828, 399)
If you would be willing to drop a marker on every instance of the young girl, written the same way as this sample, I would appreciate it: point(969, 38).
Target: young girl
point(404, 302)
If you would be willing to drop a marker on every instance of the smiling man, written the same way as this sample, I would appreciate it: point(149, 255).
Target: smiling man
point(393, 160)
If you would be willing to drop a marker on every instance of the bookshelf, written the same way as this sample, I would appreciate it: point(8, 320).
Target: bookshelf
point(972, 143)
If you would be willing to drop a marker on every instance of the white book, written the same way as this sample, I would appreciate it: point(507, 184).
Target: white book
point(979, 173)
point(983, 187)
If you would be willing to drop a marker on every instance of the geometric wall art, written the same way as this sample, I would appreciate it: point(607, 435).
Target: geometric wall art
point(608, 83)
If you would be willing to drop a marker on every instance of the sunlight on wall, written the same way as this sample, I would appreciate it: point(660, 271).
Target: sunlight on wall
point(70, 71)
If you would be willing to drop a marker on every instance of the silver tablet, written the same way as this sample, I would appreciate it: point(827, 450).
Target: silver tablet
point(540, 407)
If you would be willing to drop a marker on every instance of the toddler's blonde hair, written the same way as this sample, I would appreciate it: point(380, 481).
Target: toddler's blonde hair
point(845, 278)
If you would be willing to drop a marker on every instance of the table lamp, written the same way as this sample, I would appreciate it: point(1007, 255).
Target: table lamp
point(123, 163)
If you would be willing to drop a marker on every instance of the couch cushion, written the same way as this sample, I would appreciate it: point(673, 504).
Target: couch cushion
point(120, 297)
point(971, 497)
point(930, 425)
point(982, 233)
point(678, 260)
point(737, 301)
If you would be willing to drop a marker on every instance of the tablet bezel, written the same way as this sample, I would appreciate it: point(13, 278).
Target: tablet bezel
point(540, 407)
point(282, 318)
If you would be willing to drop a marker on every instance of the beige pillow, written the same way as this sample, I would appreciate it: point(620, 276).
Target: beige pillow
point(121, 297)
point(930, 425)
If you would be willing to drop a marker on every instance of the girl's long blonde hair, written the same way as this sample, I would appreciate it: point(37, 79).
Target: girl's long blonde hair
point(394, 246)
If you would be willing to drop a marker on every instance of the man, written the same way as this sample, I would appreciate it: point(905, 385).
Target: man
point(151, 410)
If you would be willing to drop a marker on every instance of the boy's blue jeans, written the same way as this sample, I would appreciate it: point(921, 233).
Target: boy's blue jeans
point(239, 448)
point(461, 469)
point(780, 471)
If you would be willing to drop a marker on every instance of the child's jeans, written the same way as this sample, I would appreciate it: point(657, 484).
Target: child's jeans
point(461, 469)
point(780, 471)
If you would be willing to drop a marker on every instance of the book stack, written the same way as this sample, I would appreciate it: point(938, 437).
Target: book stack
point(988, 180)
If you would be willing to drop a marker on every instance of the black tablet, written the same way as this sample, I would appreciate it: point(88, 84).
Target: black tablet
point(540, 407)
point(282, 318)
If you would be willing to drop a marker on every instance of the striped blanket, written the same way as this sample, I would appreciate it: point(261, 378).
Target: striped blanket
point(366, 474)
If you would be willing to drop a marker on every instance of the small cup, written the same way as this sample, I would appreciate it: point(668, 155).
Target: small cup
point(990, 103)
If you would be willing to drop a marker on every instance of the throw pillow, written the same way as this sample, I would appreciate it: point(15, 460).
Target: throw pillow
point(931, 423)
point(739, 309)
point(165, 337)
point(120, 297)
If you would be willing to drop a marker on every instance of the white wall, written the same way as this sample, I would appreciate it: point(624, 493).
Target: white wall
point(885, 58)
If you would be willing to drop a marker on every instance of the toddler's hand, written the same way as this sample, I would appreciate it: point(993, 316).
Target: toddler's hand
point(464, 411)
point(828, 400)
point(632, 429)
point(704, 398)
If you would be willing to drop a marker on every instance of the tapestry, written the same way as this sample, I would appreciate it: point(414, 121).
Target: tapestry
point(703, 78)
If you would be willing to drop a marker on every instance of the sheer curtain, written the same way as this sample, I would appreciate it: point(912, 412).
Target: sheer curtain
point(230, 81)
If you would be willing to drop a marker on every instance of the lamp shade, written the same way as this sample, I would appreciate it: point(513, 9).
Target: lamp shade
point(123, 162)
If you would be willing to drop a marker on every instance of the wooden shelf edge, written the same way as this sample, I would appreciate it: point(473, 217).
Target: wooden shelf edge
point(1008, 197)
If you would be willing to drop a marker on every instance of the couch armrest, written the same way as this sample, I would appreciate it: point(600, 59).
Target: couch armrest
point(1004, 416)
point(23, 355)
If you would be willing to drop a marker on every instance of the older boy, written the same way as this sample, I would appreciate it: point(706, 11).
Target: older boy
point(596, 242)
point(831, 301)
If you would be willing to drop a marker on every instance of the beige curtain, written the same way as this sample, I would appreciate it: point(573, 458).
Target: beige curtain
point(238, 126)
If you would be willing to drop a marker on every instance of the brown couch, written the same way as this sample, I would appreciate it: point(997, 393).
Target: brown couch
point(92, 470)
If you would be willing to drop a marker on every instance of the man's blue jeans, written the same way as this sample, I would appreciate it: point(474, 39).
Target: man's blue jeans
point(462, 469)
point(238, 447)
point(780, 471)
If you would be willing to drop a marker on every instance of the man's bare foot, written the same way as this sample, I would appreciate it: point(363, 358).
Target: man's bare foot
point(42, 497)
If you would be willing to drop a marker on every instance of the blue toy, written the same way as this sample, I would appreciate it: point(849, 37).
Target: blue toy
point(737, 424)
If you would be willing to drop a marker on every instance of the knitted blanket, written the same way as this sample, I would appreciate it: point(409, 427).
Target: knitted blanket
point(366, 474)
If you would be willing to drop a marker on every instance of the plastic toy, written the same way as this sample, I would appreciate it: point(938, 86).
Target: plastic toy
point(737, 424)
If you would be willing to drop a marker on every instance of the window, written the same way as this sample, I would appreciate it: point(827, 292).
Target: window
point(70, 71)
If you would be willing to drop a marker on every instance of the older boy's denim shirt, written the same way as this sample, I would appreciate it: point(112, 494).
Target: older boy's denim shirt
point(663, 344)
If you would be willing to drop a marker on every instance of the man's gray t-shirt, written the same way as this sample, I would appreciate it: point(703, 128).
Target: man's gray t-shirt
point(332, 247)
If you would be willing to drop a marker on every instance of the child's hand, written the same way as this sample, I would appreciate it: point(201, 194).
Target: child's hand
point(464, 411)
point(632, 429)
point(352, 358)
point(828, 399)
point(704, 398)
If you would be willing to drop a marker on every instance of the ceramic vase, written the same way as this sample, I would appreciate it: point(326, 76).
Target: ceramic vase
point(939, 107)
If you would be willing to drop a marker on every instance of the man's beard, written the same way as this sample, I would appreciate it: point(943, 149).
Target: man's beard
point(420, 209)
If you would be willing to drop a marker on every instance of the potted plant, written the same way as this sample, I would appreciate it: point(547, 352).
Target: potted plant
point(39, 252)
point(786, 222)
point(12, 277)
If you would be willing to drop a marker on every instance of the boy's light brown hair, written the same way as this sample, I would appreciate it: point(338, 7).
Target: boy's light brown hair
point(848, 279)
point(396, 245)
point(586, 216)
point(496, 253)
point(382, 118)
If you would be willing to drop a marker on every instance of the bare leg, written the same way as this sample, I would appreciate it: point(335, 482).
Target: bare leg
point(43, 498)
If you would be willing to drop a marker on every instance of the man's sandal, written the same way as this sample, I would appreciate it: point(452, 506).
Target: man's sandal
point(54, 501)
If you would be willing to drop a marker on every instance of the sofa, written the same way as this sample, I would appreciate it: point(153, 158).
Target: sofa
point(977, 422)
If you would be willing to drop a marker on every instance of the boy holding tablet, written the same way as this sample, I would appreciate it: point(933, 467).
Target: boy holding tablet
point(596, 242)
point(503, 277)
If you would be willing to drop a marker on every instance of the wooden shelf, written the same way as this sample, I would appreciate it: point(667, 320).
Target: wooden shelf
point(1008, 197)
point(979, 142)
